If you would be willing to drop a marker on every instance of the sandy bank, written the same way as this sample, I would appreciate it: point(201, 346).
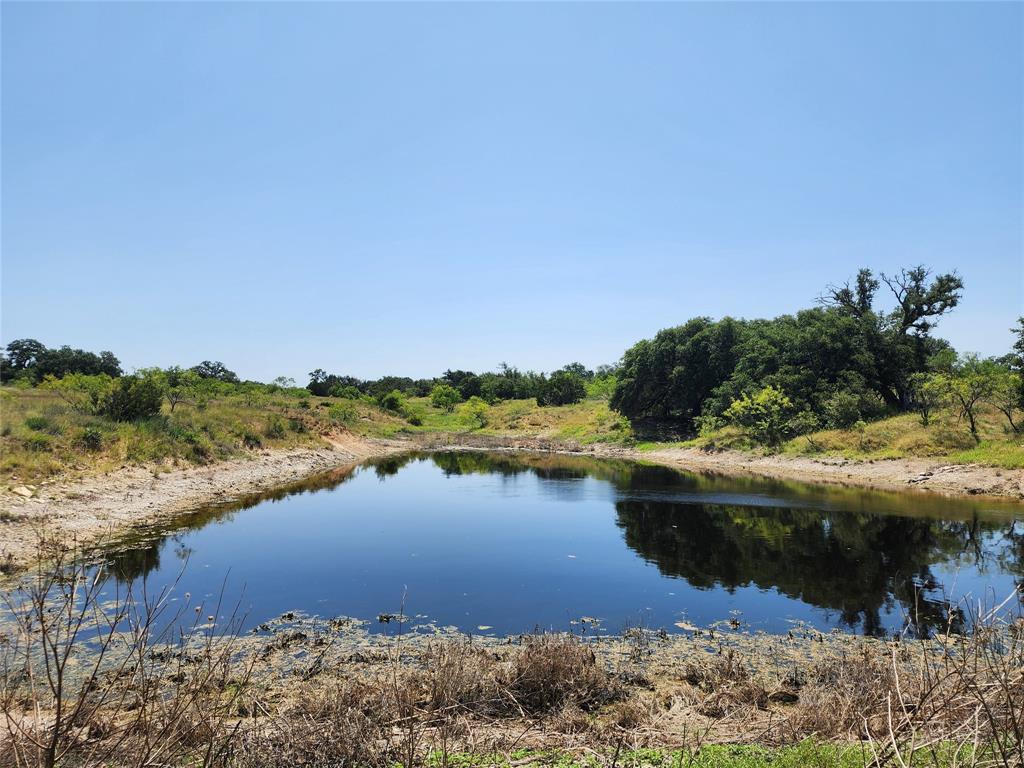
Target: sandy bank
point(90, 509)
point(888, 474)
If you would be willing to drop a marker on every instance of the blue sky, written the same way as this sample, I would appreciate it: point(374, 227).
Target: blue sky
point(403, 188)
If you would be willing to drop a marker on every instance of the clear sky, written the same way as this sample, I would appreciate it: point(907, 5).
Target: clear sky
point(400, 189)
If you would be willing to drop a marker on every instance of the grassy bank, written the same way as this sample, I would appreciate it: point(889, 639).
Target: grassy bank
point(42, 436)
point(946, 438)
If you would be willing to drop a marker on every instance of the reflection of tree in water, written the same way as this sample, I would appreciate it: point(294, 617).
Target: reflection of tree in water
point(133, 564)
point(816, 544)
point(857, 564)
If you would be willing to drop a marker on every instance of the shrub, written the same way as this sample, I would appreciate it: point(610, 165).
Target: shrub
point(445, 397)
point(132, 398)
point(347, 392)
point(343, 413)
point(763, 416)
point(475, 411)
point(38, 442)
point(91, 439)
point(298, 426)
point(413, 415)
point(37, 423)
point(251, 440)
point(393, 401)
point(275, 429)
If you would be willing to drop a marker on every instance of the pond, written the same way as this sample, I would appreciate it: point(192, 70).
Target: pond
point(511, 542)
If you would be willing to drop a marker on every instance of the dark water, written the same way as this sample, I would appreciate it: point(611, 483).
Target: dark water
point(513, 542)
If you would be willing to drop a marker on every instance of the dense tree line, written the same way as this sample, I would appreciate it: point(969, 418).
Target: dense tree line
point(862, 353)
point(32, 361)
point(567, 385)
point(845, 360)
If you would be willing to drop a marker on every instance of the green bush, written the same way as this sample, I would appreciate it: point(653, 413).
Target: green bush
point(91, 439)
point(475, 412)
point(251, 440)
point(38, 442)
point(343, 413)
point(393, 401)
point(764, 416)
point(445, 397)
point(132, 398)
point(37, 423)
point(275, 429)
point(298, 426)
point(347, 392)
point(413, 415)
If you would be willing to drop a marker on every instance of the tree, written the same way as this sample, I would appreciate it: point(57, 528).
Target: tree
point(928, 391)
point(215, 370)
point(24, 353)
point(82, 392)
point(562, 388)
point(669, 377)
point(475, 412)
point(132, 398)
point(1006, 394)
point(466, 382)
point(1018, 344)
point(972, 382)
point(897, 341)
point(764, 415)
point(579, 369)
point(180, 385)
point(445, 396)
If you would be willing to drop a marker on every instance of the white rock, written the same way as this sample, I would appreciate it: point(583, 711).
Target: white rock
point(21, 490)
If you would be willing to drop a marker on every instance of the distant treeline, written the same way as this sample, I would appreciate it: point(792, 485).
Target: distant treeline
point(850, 359)
point(569, 384)
point(32, 361)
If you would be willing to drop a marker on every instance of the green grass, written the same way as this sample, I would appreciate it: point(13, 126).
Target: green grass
point(590, 421)
point(42, 436)
point(946, 438)
point(805, 754)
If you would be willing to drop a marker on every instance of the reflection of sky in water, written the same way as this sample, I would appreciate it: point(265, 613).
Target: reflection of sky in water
point(518, 543)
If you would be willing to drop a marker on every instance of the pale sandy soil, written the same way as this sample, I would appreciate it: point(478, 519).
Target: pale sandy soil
point(91, 509)
point(888, 474)
point(94, 508)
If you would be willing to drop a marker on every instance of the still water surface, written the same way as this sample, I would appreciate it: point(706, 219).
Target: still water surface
point(515, 542)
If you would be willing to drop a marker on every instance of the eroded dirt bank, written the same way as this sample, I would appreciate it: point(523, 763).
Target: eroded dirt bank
point(90, 509)
point(887, 474)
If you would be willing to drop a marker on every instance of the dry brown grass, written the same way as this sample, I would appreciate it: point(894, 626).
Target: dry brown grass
point(78, 690)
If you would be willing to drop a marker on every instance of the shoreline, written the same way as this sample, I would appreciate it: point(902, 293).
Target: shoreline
point(86, 510)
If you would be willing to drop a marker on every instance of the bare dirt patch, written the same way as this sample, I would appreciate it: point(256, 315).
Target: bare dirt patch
point(95, 508)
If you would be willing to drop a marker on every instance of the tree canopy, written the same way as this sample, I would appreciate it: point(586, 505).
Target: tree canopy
point(847, 359)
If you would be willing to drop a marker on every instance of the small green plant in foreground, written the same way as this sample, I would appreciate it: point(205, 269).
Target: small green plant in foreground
point(805, 754)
